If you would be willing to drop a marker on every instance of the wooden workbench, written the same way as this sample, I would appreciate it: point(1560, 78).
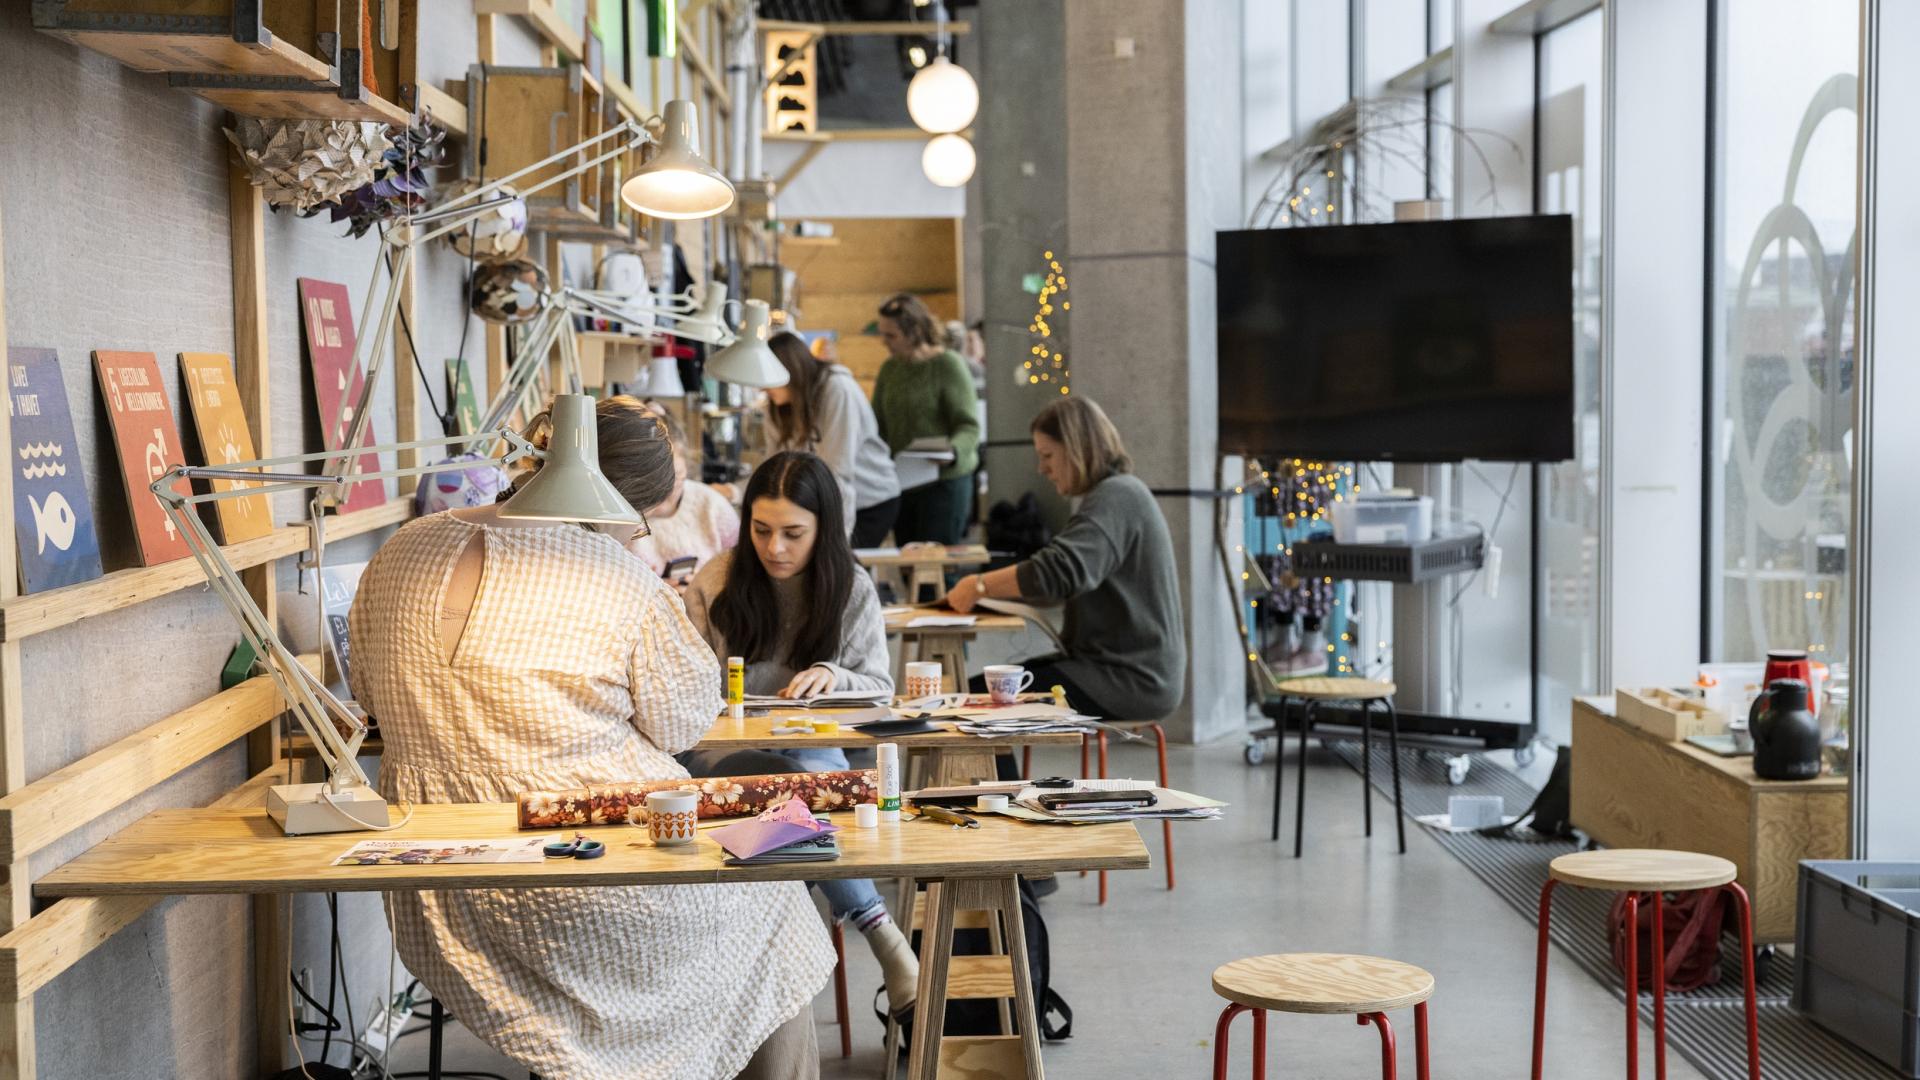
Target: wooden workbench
point(1633, 790)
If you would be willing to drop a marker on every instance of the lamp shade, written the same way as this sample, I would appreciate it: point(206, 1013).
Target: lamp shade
point(947, 160)
point(942, 97)
point(748, 361)
point(663, 378)
point(705, 323)
point(570, 485)
point(678, 183)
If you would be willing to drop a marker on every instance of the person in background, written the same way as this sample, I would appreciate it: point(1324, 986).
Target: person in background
point(925, 391)
point(823, 410)
point(504, 655)
point(967, 344)
point(693, 522)
point(1126, 653)
point(793, 603)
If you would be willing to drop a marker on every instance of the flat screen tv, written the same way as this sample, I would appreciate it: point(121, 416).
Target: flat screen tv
point(1417, 341)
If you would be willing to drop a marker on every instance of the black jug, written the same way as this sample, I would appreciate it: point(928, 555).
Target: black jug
point(1786, 738)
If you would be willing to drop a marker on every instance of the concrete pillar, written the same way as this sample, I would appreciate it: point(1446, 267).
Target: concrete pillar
point(1153, 132)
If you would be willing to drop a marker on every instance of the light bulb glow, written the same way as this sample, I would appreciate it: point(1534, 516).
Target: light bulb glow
point(942, 97)
point(948, 160)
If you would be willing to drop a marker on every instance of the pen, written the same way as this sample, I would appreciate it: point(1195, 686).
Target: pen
point(940, 813)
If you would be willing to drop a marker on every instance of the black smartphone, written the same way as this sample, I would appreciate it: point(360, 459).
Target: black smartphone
point(679, 571)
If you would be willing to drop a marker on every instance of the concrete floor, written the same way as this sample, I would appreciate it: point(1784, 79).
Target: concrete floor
point(1136, 971)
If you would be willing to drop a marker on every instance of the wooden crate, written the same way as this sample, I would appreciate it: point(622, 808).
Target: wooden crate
point(523, 115)
point(1666, 714)
point(274, 39)
point(352, 91)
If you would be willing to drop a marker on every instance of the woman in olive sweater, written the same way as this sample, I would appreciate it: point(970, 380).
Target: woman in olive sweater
point(925, 391)
point(1113, 567)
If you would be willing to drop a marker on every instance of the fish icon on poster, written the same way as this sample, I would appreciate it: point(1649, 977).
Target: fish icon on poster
point(149, 445)
point(221, 422)
point(52, 516)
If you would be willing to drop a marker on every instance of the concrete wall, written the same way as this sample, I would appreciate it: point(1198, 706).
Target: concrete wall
point(113, 194)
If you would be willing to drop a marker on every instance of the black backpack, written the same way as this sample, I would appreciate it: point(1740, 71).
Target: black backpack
point(1017, 528)
point(983, 1017)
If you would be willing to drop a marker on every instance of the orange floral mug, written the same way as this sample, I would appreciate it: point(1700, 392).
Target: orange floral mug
point(672, 817)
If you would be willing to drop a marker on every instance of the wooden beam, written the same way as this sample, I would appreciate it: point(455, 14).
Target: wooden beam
point(813, 148)
point(17, 1057)
point(406, 385)
point(37, 814)
point(35, 953)
point(544, 20)
point(896, 29)
point(695, 55)
point(448, 111)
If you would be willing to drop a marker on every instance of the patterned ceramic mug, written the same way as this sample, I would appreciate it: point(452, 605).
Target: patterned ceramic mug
point(1006, 681)
point(672, 816)
point(923, 679)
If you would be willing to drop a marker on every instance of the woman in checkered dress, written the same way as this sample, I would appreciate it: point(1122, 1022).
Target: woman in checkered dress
point(499, 656)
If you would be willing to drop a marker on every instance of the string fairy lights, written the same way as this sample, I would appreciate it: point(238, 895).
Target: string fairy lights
point(1046, 362)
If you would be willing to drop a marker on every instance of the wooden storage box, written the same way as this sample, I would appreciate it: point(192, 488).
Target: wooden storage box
point(273, 39)
point(1666, 714)
point(525, 115)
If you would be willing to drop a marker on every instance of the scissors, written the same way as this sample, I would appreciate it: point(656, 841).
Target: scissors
point(577, 848)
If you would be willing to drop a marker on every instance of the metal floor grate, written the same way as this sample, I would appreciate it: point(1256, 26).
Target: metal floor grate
point(1706, 1026)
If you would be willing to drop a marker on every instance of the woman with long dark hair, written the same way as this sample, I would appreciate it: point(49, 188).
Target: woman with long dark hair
point(823, 410)
point(791, 601)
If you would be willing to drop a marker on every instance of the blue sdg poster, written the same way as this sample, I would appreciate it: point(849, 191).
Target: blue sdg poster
point(52, 520)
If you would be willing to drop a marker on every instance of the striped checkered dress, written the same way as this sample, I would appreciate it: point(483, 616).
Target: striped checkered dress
point(577, 666)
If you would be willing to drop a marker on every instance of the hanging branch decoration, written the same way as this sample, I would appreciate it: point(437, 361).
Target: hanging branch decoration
point(1047, 362)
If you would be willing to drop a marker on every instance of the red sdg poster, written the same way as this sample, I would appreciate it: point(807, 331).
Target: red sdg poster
point(149, 444)
point(330, 342)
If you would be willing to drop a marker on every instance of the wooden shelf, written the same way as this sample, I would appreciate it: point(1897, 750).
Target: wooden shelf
point(209, 37)
point(35, 613)
point(448, 111)
point(292, 99)
point(544, 20)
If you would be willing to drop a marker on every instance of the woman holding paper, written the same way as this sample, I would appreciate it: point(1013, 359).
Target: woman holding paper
point(926, 392)
point(792, 602)
point(1112, 566)
point(506, 655)
point(823, 410)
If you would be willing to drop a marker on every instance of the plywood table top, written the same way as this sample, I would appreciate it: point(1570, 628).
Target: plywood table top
point(983, 622)
point(756, 733)
point(1739, 768)
point(241, 850)
point(1322, 983)
point(1642, 870)
point(955, 555)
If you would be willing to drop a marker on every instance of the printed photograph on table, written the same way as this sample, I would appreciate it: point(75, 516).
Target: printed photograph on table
point(518, 849)
point(328, 317)
point(221, 422)
point(149, 445)
point(52, 517)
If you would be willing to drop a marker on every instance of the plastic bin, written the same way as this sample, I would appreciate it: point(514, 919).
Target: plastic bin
point(1857, 942)
point(1383, 520)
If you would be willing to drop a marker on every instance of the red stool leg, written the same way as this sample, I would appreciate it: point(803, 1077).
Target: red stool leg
point(1633, 987)
point(1103, 776)
point(1224, 1025)
point(1659, 988)
point(1540, 980)
point(1083, 769)
point(1389, 1061)
point(1420, 1040)
point(1166, 827)
point(1026, 761)
point(1745, 908)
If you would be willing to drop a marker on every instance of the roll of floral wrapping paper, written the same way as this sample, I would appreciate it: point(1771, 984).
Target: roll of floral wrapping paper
point(720, 796)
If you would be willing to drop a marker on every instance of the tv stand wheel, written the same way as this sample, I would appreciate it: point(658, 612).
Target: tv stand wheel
point(1256, 751)
point(1457, 769)
point(1524, 756)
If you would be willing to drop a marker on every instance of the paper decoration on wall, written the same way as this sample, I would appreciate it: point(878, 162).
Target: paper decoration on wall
point(224, 439)
point(466, 407)
point(52, 517)
point(149, 444)
point(328, 316)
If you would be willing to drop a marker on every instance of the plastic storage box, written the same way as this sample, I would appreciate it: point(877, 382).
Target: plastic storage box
point(1383, 520)
point(1857, 940)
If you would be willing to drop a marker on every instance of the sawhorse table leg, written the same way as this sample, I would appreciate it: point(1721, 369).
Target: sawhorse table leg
point(972, 1055)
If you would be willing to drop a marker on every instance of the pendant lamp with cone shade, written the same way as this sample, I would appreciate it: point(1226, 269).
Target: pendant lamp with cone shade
point(677, 183)
point(570, 485)
point(748, 361)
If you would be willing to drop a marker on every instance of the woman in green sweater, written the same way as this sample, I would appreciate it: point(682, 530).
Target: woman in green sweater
point(1112, 566)
point(924, 391)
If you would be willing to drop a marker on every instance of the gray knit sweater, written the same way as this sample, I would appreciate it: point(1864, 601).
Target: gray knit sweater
point(1113, 566)
point(860, 662)
point(849, 442)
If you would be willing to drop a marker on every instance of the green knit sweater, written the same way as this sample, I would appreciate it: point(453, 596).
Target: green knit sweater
point(917, 399)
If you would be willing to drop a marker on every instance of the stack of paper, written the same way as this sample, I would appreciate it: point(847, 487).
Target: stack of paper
point(1025, 716)
point(832, 699)
point(1169, 805)
point(787, 833)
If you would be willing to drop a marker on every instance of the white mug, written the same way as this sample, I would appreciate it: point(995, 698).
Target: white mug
point(923, 679)
point(1006, 681)
point(672, 817)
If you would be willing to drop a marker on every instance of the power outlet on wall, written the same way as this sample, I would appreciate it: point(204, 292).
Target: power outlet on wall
point(309, 1016)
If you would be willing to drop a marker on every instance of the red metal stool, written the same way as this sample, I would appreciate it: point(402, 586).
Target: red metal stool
point(1634, 871)
point(1365, 987)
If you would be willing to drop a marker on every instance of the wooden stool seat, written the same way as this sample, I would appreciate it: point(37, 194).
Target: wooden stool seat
point(1322, 983)
point(1334, 688)
point(1642, 870)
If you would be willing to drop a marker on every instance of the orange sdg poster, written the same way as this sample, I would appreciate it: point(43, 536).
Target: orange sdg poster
point(224, 439)
point(149, 444)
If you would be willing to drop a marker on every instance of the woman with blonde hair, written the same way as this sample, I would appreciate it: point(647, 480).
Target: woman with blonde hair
point(1112, 566)
point(505, 655)
point(925, 391)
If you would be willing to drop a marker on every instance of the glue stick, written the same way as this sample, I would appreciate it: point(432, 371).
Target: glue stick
point(736, 687)
point(888, 757)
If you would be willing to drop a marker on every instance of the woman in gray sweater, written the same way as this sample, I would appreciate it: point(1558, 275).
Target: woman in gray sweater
point(790, 601)
point(1112, 565)
point(823, 410)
